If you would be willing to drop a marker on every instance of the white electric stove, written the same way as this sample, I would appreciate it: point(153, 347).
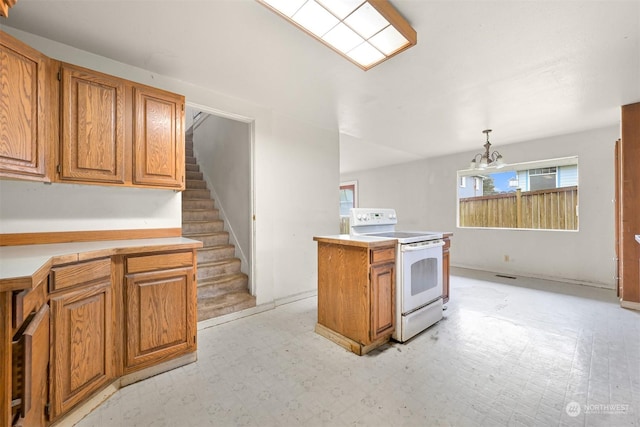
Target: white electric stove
point(418, 269)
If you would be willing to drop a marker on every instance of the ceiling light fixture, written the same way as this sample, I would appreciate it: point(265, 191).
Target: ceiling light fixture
point(487, 159)
point(365, 32)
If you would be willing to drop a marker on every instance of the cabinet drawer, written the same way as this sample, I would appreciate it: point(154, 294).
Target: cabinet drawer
point(81, 273)
point(27, 301)
point(159, 262)
point(385, 254)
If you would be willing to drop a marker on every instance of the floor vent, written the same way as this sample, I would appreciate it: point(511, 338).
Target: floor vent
point(505, 276)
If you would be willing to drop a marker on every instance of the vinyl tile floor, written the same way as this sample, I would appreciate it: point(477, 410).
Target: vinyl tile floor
point(508, 352)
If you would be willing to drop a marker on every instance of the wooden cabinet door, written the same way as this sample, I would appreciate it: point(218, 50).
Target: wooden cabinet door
point(382, 299)
point(30, 370)
point(23, 109)
point(82, 351)
point(616, 203)
point(628, 213)
point(158, 141)
point(93, 127)
point(160, 316)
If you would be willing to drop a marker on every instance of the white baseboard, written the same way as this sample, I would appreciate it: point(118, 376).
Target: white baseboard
point(296, 297)
point(537, 276)
point(204, 324)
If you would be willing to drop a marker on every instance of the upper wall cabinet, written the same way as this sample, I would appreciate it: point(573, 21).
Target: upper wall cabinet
point(95, 128)
point(92, 127)
point(158, 141)
point(24, 102)
point(116, 132)
point(5, 5)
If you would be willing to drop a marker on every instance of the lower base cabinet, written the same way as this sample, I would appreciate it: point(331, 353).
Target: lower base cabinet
point(160, 319)
point(356, 292)
point(87, 324)
point(82, 352)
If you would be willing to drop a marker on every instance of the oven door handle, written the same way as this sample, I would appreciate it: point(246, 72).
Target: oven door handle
point(409, 248)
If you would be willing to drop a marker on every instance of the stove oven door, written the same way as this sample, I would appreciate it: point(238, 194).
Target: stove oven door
point(420, 274)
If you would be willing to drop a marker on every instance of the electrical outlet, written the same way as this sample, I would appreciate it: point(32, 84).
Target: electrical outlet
point(506, 258)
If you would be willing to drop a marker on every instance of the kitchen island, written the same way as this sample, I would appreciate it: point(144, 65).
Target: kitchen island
point(356, 290)
point(357, 296)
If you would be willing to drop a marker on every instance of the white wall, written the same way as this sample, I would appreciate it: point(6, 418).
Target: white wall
point(305, 173)
point(282, 266)
point(223, 149)
point(424, 194)
point(31, 207)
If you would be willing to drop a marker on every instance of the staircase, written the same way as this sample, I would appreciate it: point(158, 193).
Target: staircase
point(222, 287)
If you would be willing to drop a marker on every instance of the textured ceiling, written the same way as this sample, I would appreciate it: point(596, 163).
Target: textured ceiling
point(526, 69)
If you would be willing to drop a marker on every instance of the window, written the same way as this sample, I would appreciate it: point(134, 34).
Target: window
point(348, 197)
point(533, 195)
point(542, 178)
point(348, 200)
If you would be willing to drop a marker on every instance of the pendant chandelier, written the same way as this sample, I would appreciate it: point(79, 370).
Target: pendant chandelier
point(487, 159)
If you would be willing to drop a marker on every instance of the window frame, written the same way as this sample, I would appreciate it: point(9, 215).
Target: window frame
point(350, 185)
point(522, 166)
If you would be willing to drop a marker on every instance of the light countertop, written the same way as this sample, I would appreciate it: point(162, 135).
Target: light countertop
point(349, 240)
point(21, 266)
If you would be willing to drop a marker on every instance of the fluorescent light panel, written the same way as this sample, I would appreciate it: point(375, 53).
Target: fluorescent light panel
point(365, 32)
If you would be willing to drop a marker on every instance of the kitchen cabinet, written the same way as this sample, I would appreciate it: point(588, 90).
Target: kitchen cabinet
point(92, 127)
point(627, 207)
point(82, 319)
point(30, 370)
point(382, 300)
point(158, 142)
point(77, 318)
point(160, 308)
point(29, 356)
point(446, 269)
point(356, 292)
point(75, 125)
point(5, 5)
point(116, 132)
point(24, 111)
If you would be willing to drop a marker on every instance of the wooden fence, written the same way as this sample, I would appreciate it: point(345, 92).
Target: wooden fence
point(555, 208)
